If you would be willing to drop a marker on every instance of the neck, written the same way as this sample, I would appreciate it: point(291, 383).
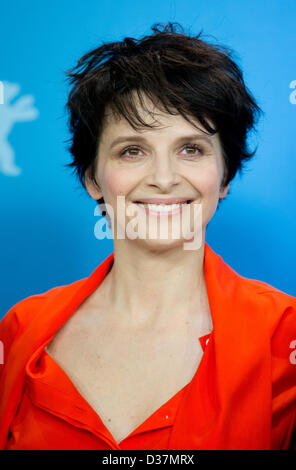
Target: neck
point(157, 288)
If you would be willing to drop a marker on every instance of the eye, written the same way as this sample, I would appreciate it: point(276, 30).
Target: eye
point(130, 149)
point(196, 148)
point(193, 147)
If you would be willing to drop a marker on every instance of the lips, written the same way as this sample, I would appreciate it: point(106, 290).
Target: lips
point(164, 201)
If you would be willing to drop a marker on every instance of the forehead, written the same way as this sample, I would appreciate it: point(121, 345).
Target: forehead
point(154, 115)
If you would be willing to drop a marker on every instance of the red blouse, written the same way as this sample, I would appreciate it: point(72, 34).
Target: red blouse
point(242, 395)
point(54, 415)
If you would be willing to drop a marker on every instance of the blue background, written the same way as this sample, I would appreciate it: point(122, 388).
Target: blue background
point(47, 221)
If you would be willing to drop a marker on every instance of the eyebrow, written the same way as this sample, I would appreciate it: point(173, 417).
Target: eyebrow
point(137, 138)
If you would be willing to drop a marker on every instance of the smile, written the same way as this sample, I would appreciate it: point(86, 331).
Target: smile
point(162, 209)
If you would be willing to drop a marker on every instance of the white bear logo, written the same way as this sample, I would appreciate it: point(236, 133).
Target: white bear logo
point(10, 113)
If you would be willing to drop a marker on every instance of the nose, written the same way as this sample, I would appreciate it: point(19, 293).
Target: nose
point(164, 174)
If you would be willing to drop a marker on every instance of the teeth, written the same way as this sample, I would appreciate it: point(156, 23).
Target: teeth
point(162, 207)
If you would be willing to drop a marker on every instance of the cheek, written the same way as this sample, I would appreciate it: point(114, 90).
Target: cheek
point(206, 181)
point(207, 185)
point(117, 182)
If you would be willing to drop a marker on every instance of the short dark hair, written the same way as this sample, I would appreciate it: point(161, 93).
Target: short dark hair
point(182, 73)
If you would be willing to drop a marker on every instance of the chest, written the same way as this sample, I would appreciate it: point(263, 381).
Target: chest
point(125, 377)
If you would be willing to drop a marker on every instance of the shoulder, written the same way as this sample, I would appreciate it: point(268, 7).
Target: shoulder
point(276, 310)
point(274, 304)
point(270, 310)
point(263, 302)
point(40, 310)
point(24, 312)
point(268, 305)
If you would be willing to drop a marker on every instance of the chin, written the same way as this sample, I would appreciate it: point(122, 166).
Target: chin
point(159, 245)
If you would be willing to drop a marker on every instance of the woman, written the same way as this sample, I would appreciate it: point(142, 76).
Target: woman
point(113, 361)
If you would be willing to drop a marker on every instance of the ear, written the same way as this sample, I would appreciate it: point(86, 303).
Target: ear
point(93, 190)
point(224, 191)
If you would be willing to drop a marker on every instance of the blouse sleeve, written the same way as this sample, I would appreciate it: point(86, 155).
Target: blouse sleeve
point(283, 368)
point(9, 327)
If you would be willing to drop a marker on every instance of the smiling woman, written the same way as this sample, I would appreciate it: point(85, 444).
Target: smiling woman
point(161, 347)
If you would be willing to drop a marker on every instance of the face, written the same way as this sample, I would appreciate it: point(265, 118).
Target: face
point(172, 160)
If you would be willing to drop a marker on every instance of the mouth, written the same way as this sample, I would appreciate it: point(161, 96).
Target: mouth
point(164, 203)
point(164, 208)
